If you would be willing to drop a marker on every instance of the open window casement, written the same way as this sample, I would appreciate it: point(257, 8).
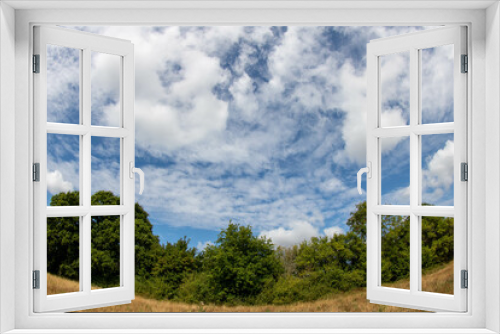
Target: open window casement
point(414, 131)
point(55, 48)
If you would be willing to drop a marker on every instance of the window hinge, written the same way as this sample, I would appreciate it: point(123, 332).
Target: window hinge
point(36, 279)
point(36, 172)
point(464, 170)
point(465, 64)
point(465, 279)
point(36, 63)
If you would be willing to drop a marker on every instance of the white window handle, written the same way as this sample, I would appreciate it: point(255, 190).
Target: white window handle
point(368, 171)
point(133, 170)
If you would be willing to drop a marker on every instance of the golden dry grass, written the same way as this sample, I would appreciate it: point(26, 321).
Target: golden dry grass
point(57, 285)
point(437, 280)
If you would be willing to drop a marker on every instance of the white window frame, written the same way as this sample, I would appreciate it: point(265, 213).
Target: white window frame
point(85, 43)
point(413, 43)
point(483, 102)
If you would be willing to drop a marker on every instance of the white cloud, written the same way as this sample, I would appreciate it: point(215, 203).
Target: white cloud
point(399, 196)
point(332, 185)
point(295, 233)
point(63, 77)
point(105, 89)
point(437, 92)
point(202, 245)
point(392, 117)
point(175, 106)
point(395, 81)
point(244, 97)
point(438, 177)
point(331, 231)
point(56, 183)
point(351, 97)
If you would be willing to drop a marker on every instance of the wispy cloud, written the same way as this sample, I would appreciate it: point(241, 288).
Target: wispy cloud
point(262, 125)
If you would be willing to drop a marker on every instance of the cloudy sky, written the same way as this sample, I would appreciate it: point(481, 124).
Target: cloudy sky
point(264, 126)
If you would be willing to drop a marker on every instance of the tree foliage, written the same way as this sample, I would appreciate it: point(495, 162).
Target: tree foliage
point(240, 268)
point(239, 264)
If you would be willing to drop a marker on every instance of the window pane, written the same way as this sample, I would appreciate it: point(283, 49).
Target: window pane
point(437, 254)
point(396, 252)
point(395, 89)
point(105, 83)
point(437, 84)
point(63, 166)
point(63, 84)
point(395, 170)
point(63, 255)
point(105, 170)
point(105, 251)
point(437, 169)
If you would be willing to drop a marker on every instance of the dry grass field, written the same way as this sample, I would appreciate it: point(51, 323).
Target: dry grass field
point(437, 280)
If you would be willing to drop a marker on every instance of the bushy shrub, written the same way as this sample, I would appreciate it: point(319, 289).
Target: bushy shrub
point(196, 289)
point(239, 264)
point(286, 290)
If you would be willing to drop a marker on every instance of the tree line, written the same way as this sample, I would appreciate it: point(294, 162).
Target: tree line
point(240, 267)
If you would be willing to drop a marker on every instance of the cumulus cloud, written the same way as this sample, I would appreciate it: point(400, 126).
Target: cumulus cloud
point(105, 89)
point(298, 231)
point(437, 93)
point(392, 117)
point(351, 97)
point(175, 103)
point(331, 231)
point(56, 183)
point(351, 90)
point(293, 234)
point(438, 176)
point(202, 245)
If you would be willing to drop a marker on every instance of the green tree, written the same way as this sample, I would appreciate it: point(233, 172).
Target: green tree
point(337, 263)
point(63, 237)
point(395, 248)
point(239, 264)
point(357, 221)
point(63, 241)
point(437, 241)
point(177, 261)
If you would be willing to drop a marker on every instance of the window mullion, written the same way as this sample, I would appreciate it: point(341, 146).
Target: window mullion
point(86, 172)
point(414, 172)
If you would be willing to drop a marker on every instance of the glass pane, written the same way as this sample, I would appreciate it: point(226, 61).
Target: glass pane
point(105, 83)
point(395, 89)
point(395, 170)
point(105, 251)
point(437, 254)
point(63, 84)
point(396, 252)
point(105, 171)
point(63, 255)
point(437, 84)
point(437, 169)
point(63, 166)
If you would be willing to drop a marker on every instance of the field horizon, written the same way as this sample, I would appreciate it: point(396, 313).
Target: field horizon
point(439, 279)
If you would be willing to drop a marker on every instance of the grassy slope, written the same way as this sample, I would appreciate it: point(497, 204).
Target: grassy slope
point(437, 280)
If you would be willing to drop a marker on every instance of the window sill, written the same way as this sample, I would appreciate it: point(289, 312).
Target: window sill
point(251, 331)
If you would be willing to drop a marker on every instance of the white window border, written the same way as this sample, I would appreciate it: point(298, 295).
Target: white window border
point(483, 144)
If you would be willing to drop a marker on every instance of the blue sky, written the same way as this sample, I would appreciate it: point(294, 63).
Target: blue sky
point(264, 126)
